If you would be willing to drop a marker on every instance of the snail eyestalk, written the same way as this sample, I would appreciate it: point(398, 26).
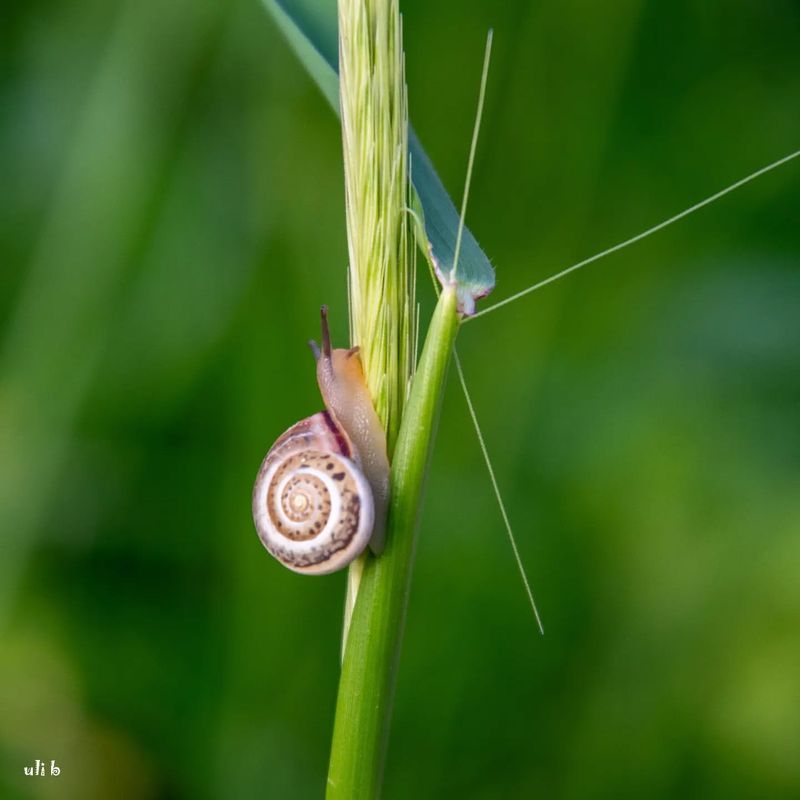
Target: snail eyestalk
point(326, 333)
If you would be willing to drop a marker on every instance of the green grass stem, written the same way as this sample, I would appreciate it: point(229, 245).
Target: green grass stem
point(372, 651)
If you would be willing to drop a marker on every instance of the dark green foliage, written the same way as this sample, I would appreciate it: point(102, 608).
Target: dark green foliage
point(171, 220)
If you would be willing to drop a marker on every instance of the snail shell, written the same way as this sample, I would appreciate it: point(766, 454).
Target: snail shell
point(312, 505)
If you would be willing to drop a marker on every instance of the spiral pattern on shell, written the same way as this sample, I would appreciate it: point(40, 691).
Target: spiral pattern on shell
point(312, 505)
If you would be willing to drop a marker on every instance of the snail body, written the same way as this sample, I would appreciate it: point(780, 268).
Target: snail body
point(321, 493)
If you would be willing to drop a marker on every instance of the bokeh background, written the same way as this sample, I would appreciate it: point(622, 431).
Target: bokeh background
point(171, 218)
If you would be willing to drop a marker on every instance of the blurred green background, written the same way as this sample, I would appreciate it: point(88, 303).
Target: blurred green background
point(170, 221)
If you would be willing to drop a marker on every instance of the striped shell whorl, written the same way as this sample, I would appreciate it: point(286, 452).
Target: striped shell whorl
point(312, 506)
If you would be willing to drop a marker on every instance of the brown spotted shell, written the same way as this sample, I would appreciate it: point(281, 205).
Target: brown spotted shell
point(312, 505)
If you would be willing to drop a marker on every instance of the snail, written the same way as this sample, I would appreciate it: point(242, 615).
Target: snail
point(322, 491)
